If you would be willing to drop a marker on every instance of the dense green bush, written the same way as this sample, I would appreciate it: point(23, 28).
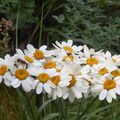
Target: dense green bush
point(95, 22)
point(92, 22)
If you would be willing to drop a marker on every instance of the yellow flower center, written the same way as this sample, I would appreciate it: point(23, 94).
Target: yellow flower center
point(115, 73)
point(68, 57)
point(109, 84)
point(68, 49)
point(114, 60)
point(43, 77)
point(55, 80)
point(58, 70)
point(21, 74)
point(49, 65)
point(72, 82)
point(3, 70)
point(27, 58)
point(103, 71)
point(92, 61)
point(38, 54)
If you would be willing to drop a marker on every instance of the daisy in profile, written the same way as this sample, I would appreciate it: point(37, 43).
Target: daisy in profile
point(5, 65)
point(106, 87)
point(20, 54)
point(115, 58)
point(63, 57)
point(90, 57)
point(58, 82)
point(43, 77)
point(104, 68)
point(38, 55)
point(21, 77)
point(77, 86)
point(68, 46)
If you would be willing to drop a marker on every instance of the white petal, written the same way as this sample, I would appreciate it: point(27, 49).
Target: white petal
point(39, 88)
point(112, 92)
point(44, 47)
point(117, 90)
point(77, 93)
point(54, 95)
point(63, 83)
point(71, 97)
point(47, 88)
point(103, 95)
point(109, 98)
point(15, 83)
point(20, 53)
point(70, 42)
point(86, 51)
point(1, 60)
point(59, 92)
point(26, 86)
point(30, 48)
point(7, 82)
point(28, 53)
point(7, 57)
point(58, 44)
point(75, 48)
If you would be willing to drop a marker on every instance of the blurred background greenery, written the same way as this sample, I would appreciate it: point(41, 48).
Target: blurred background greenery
point(92, 22)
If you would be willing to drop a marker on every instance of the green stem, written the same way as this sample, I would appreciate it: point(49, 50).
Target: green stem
point(61, 108)
point(78, 110)
point(66, 110)
point(20, 91)
point(88, 107)
point(41, 23)
point(17, 22)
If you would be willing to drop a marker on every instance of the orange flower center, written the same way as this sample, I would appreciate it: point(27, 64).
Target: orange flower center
point(68, 57)
point(21, 74)
point(114, 60)
point(49, 65)
point(103, 71)
point(3, 70)
point(27, 58)
point(43, 77)
point(72, 82)
point(38, 54)
point(109, 84)
point(92, 61)
point(58, 70)
point(115, 73)
point(55, 80)
point(68, 49)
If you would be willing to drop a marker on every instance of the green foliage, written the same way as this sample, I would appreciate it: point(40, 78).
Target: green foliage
point(10, 9)
point(92, 22)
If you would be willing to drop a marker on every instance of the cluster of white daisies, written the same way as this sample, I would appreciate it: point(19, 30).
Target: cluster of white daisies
point(67, 71)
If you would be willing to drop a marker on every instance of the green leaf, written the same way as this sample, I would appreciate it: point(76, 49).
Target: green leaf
point(51, 116)
point(45, 104)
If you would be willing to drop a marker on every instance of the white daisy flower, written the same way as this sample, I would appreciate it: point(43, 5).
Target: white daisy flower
point(106, 87)
point(38, 55)
point(58, 82)
point(68, 46)
point(115, 58)
point(42, 78)
point(63, 57)
point(77, 86)
point(22, 77)
point(104, 68)
point(5, 65)
point(24, 57)
point(90, 57)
